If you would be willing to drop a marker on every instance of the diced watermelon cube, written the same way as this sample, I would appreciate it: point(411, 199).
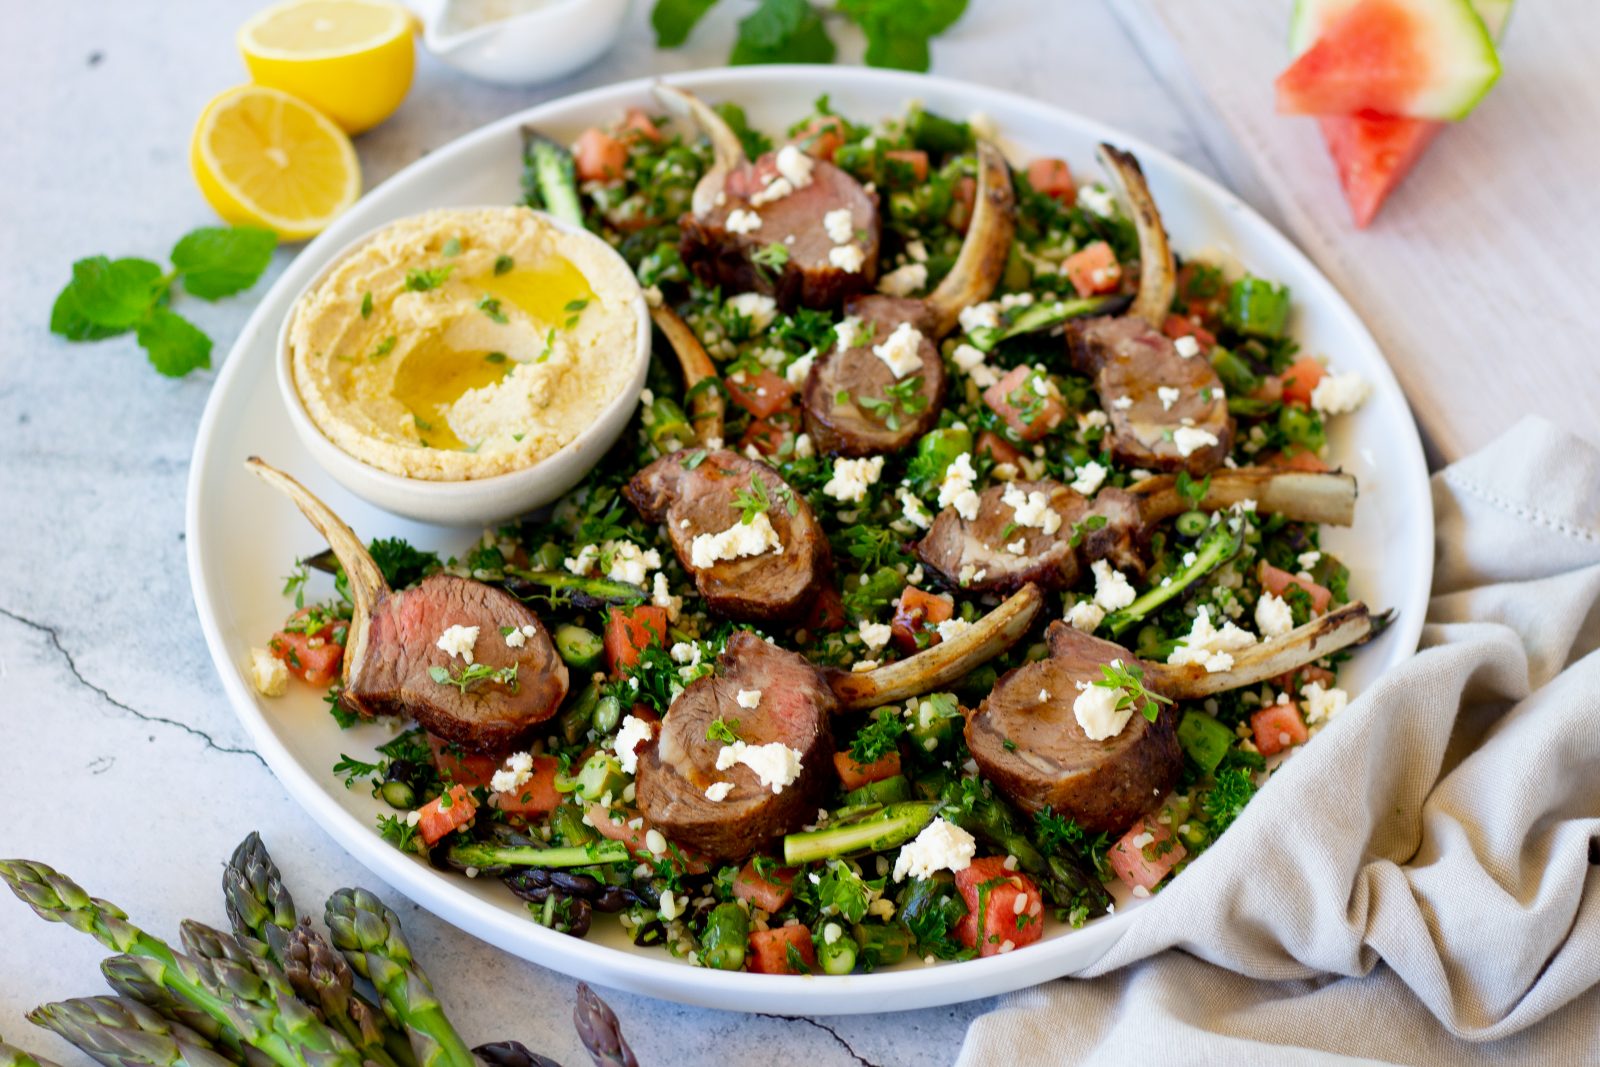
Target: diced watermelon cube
point(1145, 854)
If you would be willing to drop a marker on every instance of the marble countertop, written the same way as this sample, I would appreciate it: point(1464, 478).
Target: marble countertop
point(124, 762)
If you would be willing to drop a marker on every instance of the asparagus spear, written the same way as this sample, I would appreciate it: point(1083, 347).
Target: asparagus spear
point(260, 908)
point(1068, 881)
point(878, 831)
point(512, 1054)
point(369, 935)
point(125, 977)
point(12, 1056)
point(125, 1033)
point(233, 994)
point(259, 905)
point(600, 1031)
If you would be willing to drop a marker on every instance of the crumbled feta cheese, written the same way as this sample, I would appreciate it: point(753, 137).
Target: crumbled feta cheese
point(458, 641)
point(514, 775)
point(1323, 704)
point(776, 764)
point(1086, 615)
point(1122, 403)
point(797, 371)
point(515, 638)
point(776, 189)
point(1307, 560)
point(795, 166)
point(633, 732)
point(956, 488)
point(901, 351)
point(742, 221)
point(1032, 509)
point(967, 357)
point(268, 673)
point(917, 251)
point(1140, 841)
point(1273, 616)
point(1112, 590)
point(630, 563)
point(853, 333)
point(1337, 394)
point(914, 510)
point(950, 629)
point(874, 634)
point(661, 596)
point(1189, 438)
point(736, 542)
point(1019, 547)
point(1168, 396)
point(1096, 711)
point(847, 258)
point(941, 846)
point(1093, 420)
point(840, 225)
point(1090, 475)
point(861, 666)
point(1095, 198)
point(1208, 646)
point(1187, 346)
point(903, 281)
point(748, 698)
point(852, 478)
point(1044, 696)
point(717, 792)
point(984, 316)
point(759, 308)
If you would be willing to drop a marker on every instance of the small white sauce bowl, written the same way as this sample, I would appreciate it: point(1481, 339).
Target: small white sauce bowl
point(539, 46)
point(477, 501)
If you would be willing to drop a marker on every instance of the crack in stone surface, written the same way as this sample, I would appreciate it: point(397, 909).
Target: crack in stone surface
point(824, 1027)
point(54, 638)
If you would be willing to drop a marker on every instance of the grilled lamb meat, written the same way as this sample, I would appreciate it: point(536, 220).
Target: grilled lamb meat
point(1026, 737)
point(720, 247)
point(392, 644)
point(1027, 740)
point(393, 679)
point(693, 493)
point(794, 709)
point(848, 408)
point(1132, 363)
point(977, 554)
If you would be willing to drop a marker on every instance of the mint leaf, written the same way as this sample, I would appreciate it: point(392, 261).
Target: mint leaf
point(115, 293)
point(782, 31)
point(898, 31)
point(68, 320)
point(674, 20)
point(175, 345)
point(218, 261)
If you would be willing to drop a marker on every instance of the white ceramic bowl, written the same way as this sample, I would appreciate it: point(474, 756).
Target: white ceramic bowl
point(478, 501)
point(541, 46)
point(241, 535)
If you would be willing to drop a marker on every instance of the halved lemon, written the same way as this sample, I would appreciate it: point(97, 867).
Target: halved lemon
point(265, 158)
point(350, 59)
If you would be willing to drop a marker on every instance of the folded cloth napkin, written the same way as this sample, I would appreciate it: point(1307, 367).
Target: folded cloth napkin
point(1444, 824)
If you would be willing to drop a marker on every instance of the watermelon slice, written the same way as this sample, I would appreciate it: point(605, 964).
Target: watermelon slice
point(1373, 152)
point(1311, 17)
point(1426, 59)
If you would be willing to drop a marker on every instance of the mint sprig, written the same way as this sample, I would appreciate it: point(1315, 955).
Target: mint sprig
point(793, 31)
point(110, 297)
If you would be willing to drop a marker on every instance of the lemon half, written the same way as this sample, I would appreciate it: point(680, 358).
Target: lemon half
point(351, 59)
point(265, 158)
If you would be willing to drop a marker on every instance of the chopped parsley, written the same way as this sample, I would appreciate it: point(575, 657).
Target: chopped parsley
point(426, 279)
point(474, 673)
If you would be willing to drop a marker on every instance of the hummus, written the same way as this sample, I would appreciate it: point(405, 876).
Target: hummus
point(465, 343)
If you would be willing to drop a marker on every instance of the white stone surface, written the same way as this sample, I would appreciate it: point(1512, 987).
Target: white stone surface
point(123, 763)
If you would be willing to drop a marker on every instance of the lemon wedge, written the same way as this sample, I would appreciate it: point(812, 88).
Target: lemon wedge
point(265, 158)
point(350, 59)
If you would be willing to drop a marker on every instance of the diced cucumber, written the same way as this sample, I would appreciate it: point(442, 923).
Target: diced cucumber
point(1204, 739)
point(579, 648)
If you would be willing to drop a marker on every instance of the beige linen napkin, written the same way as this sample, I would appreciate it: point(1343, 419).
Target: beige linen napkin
point(1444, 824)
